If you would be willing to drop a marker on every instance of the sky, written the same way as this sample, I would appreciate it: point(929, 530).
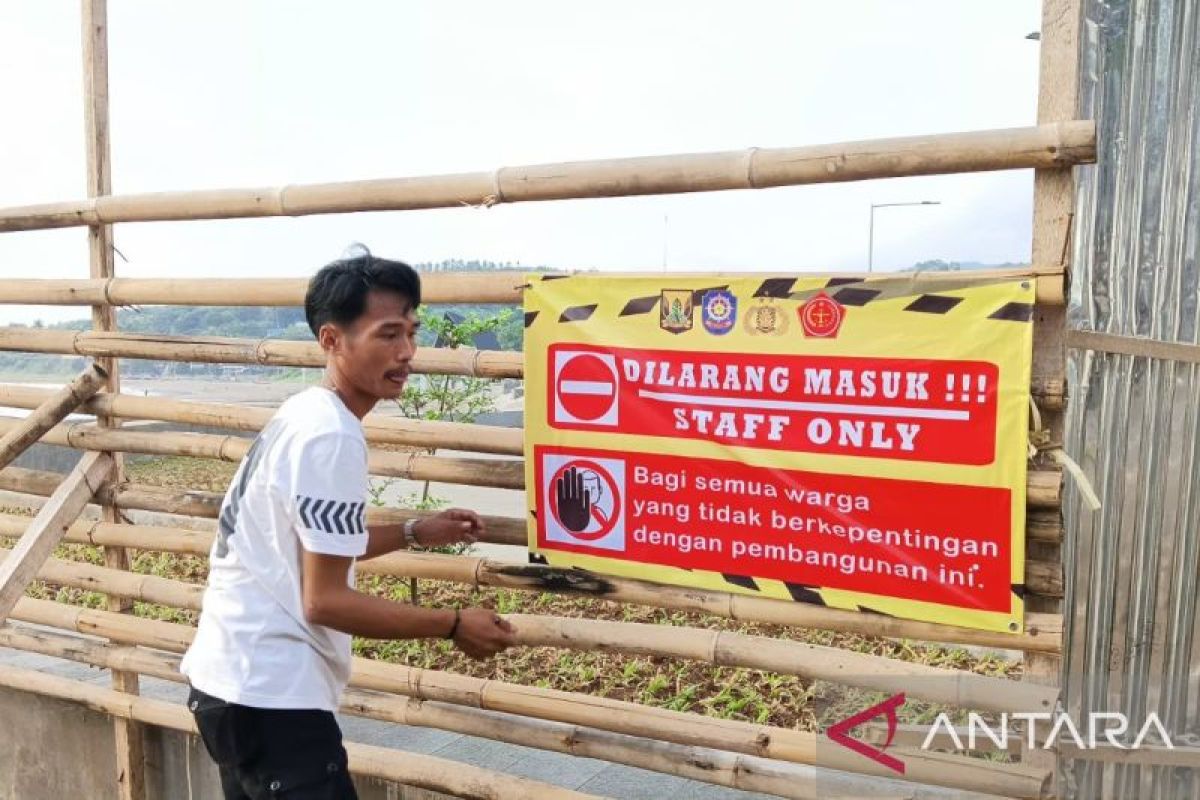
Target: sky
point(229, 93)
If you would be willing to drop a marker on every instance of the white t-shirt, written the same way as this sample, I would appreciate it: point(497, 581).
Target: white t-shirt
point(303, 484)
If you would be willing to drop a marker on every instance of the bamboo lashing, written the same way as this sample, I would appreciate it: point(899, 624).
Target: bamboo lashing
point(722, 648)
point(1052, 145)
point(436, 287)
point(54, 407)
point(420, 770)
point(47, 528)
point(734, 770)
point(260, 352)
point(377, 428)
point(567, 707)
point(1043, 487)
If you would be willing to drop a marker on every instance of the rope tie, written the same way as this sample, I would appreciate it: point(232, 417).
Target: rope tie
point(1039, 442)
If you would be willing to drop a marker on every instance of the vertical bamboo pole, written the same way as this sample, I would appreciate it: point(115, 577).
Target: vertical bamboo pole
point(131, 779)
point(1053, 207)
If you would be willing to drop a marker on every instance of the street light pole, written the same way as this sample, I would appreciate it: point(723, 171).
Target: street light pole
point(871, 229)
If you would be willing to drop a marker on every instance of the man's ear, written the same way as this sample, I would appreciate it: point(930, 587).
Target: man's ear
point(329, 337)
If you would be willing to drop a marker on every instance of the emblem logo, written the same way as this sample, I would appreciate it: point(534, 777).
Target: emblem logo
point(821, 317)
point(676, 310)
point(718, 311)
point(764, 318)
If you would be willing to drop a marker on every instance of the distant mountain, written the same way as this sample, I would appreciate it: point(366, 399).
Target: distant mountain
point(937, 265)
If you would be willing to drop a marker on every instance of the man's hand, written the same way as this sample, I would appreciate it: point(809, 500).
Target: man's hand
point(453, 526)
point(482, 634)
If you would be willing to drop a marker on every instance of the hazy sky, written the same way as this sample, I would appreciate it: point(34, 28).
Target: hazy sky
point(225, 94)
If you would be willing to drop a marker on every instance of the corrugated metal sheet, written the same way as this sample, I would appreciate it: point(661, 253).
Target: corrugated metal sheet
point(1133, 567)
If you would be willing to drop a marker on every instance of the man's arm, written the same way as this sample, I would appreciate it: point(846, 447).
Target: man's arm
point(331, 602)
point(453, 526)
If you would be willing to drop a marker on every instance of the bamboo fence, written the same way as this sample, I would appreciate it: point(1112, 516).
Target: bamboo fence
point(735, 754)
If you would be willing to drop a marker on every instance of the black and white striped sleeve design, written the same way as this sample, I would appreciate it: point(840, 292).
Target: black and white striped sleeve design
point(327, 494)
point(332, 516)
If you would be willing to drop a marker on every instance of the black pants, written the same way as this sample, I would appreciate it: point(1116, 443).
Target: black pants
point(270, 753)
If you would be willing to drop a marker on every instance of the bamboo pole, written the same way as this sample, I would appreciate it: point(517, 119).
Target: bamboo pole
point(1043, 632)
point(119, 583)
point(500, 287)
point(499, 473)
point(130, 747)
point(722, 648)
point(1053, 145)
point(1053, 211)
point(567, 707)
point(207, 505)
point(422, 771)
point(1043, 487)
point(53, 409)
point(726, 649)
point(1048, 392)
point(261, 352)
point(377, 428)
point(734, 770)
point(47, 528)
point(436, 287)
point(1043, 578)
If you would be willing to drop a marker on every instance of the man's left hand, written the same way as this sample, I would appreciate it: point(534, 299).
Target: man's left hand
point(452, 526)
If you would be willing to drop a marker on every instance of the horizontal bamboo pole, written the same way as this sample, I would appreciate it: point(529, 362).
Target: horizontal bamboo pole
point(567, 707)
point(1042, 578)
point(1044, 488)
point(378, 429)
point(722, 648)
point(420, 770)
point(1043, 632)
point(207, 505)
point(1053, 145)
point(436, 287)
point(726, 649)
point(260, 352)
point(119, 583)
point(53, 408)
point(499, 473)
point(280, 353)
point(734, 770)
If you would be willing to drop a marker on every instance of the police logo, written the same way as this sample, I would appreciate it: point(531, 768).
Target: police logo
point(718, 311)
point(765, 319)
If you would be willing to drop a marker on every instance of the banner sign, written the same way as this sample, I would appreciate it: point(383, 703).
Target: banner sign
point(861, 445)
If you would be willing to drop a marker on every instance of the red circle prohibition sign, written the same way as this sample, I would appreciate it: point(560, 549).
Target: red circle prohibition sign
point(586, 387)
point(606, 523)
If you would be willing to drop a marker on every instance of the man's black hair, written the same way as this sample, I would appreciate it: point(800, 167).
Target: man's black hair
point(338, 293)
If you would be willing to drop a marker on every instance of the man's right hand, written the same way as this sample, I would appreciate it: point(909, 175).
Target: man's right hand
point(482, 633)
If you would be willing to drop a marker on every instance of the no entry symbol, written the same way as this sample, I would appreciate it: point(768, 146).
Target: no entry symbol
point(585, 388)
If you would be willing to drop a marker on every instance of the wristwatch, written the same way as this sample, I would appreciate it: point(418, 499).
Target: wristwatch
point(410, 533)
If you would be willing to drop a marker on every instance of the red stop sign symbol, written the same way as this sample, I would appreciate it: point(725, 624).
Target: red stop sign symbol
point(586, 387)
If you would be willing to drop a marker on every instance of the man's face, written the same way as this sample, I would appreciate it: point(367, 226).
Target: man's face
point(374, 352)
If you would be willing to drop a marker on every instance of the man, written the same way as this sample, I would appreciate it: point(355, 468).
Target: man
point(272, 653)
